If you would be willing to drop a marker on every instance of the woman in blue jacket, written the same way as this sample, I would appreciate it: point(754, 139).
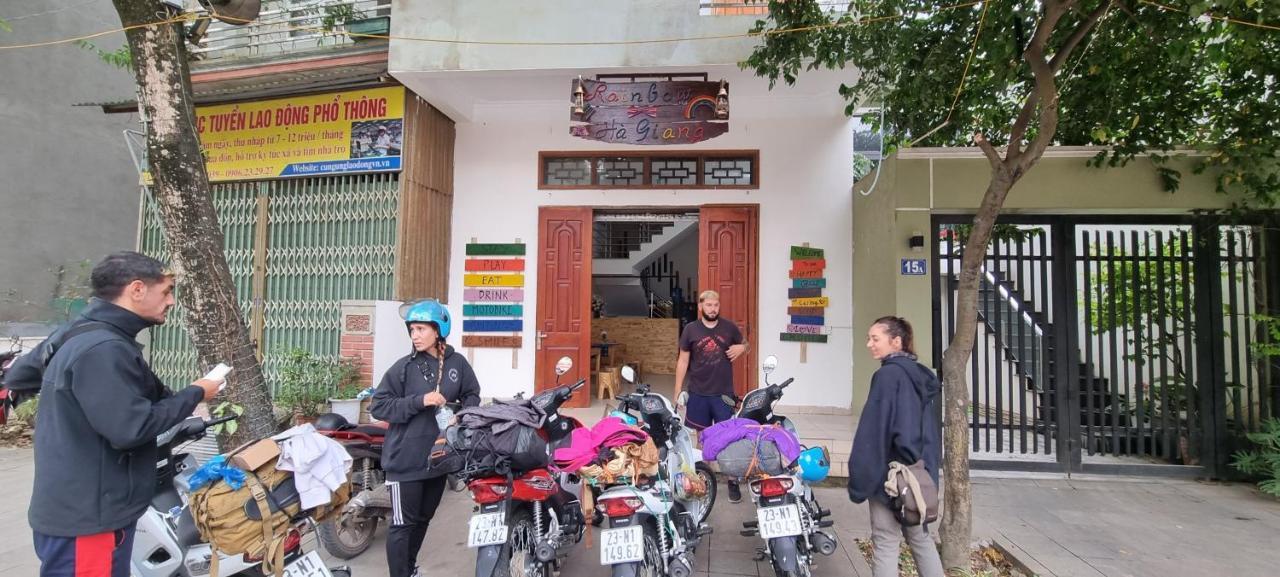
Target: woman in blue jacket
point(897, 424)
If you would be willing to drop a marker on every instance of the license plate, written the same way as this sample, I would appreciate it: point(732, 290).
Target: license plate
point(309, 565)
point(622, 545)
point(781, 521)
point(487, 529)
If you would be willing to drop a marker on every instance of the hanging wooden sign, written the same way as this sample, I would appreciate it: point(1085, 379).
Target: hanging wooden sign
point(808, 320)
point(656, 112)
point(808, 264)
point(806, 311)
point(803, 293)
point(812, 302)
point(804, 252)
point(492, 341)
point(809, 283)
point(492, 326)
point(498, 295)
point(805, 274)
point(493, 280)
point(806, 329)
point(495, 264)
point(493, 310)
point(482, 249)
point(802, 338)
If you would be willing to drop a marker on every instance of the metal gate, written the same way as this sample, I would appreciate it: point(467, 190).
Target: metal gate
point(314, 242)
point(1111, 344)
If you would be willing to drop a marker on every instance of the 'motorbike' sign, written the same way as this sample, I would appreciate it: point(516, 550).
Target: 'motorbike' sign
point(658, 112)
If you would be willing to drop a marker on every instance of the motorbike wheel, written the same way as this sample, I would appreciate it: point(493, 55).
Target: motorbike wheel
point(709, 500)
point(651, 566)
point(347, 536)
point(517, 557)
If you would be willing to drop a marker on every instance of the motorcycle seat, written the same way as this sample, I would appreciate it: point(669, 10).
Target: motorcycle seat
point(371, 430)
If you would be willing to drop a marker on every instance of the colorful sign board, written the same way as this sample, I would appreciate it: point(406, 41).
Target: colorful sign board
point(492, 307)
point(324, 134)
point(808, 306)
point(657, 112)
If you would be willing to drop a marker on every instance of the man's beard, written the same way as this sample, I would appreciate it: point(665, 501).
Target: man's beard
point(711, 316)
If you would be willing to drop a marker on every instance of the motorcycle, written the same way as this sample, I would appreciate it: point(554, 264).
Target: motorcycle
point(525, 522)
point(352, 532)
point(788, 516)
point(655, 525)
point(167, 543)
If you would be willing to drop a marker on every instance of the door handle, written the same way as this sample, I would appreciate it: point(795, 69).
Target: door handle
point(538, 341)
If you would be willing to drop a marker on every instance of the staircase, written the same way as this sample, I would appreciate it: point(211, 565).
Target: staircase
point(1025, 339)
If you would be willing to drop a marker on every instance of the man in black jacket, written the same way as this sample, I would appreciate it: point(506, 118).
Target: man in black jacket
point(101, 409)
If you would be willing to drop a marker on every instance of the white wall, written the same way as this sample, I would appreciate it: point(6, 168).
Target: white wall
point(805, 196)
point(391, 340)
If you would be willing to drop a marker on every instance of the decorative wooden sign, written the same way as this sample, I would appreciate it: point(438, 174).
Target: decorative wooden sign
point(808, 306)
point(492, 310)
point(498, 295)
point(806, 329)
point(498, 280)
point(490, 274)
point(495, 264)
point(803, 293)
point(803, 338)
point(492, 341)
point(804, 252)
point(657, 112)
point(492, 326)
point(510, 249)
point(809, 264)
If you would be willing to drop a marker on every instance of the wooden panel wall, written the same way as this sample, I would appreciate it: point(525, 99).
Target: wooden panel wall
point(426, 203)
point(653, 342)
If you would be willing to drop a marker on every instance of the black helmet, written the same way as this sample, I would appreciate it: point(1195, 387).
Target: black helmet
point(332, 422)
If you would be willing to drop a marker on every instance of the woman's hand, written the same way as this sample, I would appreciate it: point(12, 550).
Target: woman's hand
point(433, 399)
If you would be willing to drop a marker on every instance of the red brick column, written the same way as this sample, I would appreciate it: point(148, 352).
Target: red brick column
point(356, 340)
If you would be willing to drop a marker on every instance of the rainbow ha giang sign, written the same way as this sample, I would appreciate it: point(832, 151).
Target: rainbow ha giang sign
point(335, 133)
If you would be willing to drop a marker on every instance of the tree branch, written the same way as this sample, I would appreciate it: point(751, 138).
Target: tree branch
point(993, 155)
point(1046, 90)
point(1078, 35)
point(1020, 126)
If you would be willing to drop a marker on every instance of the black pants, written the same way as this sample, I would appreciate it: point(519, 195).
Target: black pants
point(413, 504)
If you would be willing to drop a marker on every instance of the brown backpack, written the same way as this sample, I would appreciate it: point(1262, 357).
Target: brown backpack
point(230, 520)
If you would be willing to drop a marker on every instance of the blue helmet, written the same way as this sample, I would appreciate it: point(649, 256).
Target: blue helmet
point(427, 311)
point(814, 464)
point(626, 417)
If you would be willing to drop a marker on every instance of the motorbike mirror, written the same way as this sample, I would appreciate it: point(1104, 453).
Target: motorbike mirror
point(628, 374)
point(770, 363)
point(563, 365)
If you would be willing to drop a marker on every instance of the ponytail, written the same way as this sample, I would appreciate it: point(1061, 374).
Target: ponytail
point(900, 328)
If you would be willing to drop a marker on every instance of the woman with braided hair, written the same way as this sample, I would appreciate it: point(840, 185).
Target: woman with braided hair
point(410, 397)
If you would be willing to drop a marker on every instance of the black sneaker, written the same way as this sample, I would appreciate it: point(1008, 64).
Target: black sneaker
point(735, 493)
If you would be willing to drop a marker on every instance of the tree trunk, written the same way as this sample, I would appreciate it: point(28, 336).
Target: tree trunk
point(957, 519)
point(181, 189)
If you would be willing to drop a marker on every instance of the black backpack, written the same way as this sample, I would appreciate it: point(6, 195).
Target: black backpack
point(518, 449)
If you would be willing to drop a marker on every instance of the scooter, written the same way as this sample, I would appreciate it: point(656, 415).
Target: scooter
point(525, 523)
point(788, 516)
point(352, 532)
point(167, 543)
point(656, 524)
